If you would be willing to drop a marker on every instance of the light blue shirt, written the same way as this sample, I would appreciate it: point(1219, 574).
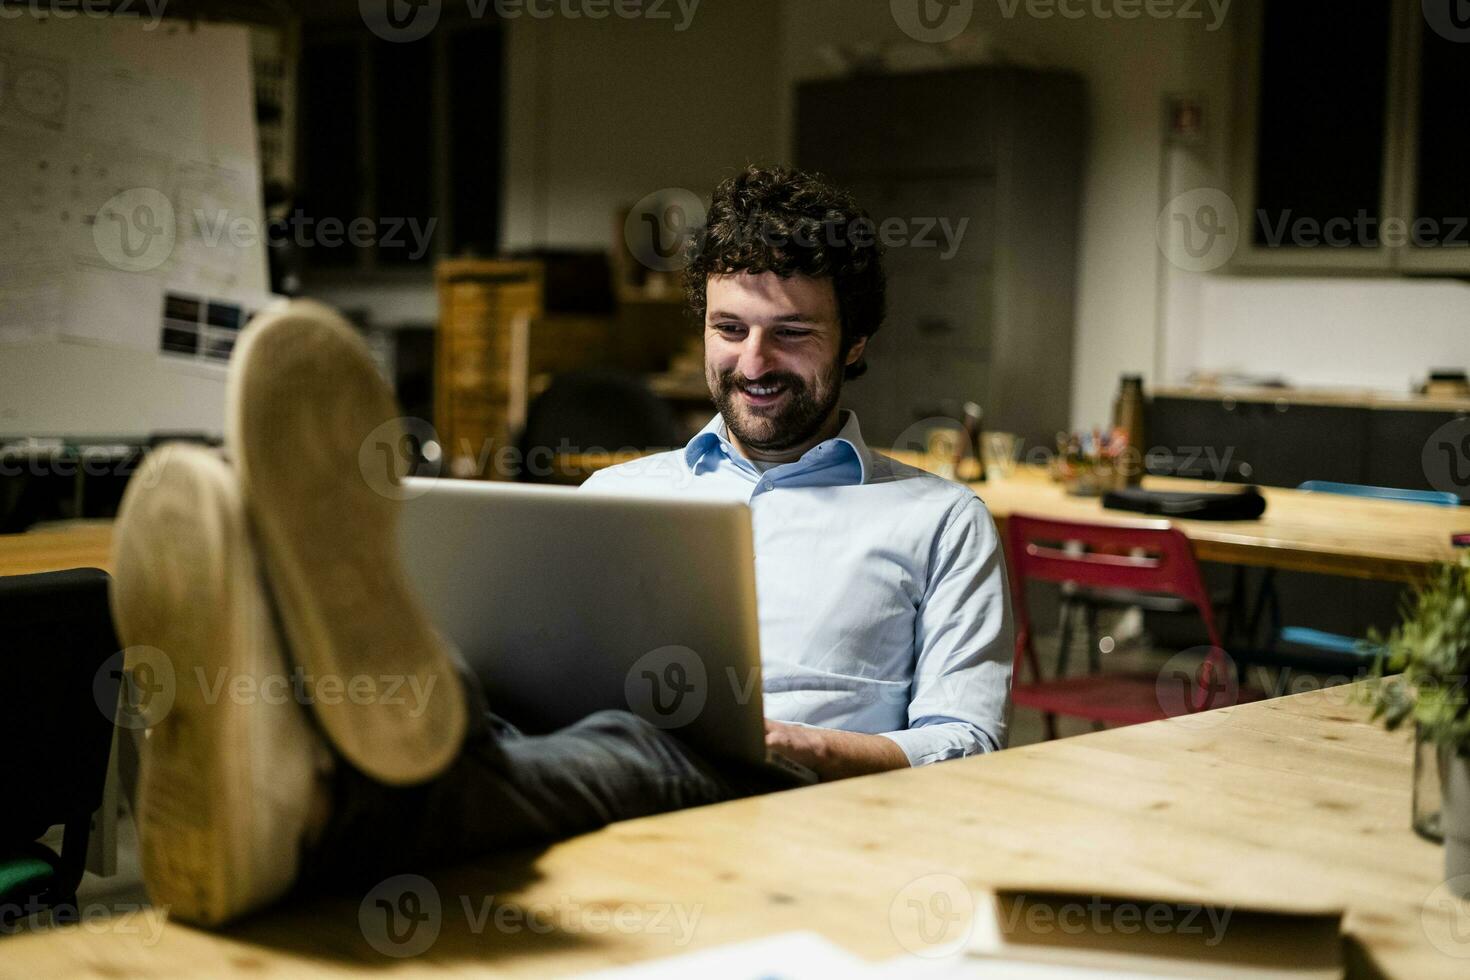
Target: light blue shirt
point(881, 588)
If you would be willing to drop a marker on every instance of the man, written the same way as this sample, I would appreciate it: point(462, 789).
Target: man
point(305, 722)
point(885, 627)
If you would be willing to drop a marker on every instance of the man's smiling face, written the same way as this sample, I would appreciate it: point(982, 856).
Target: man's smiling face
point(773, 358)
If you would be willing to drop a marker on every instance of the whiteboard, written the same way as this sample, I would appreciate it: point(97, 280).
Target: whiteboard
point(127, 150)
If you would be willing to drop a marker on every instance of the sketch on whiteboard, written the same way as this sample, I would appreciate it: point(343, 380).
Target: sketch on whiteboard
point(33, 90)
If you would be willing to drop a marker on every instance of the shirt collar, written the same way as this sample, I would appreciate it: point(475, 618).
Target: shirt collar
point(714, 437)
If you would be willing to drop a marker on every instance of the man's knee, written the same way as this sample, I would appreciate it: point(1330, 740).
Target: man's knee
point(618, 723)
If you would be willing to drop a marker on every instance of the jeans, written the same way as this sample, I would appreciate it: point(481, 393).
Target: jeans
point(507, 789)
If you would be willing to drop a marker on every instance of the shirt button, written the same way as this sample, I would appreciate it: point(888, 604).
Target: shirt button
point(769, 485)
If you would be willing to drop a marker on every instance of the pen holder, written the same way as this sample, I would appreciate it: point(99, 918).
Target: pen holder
point(1088, 477)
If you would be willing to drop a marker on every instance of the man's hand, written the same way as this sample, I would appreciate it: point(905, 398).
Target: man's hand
point(834, 754)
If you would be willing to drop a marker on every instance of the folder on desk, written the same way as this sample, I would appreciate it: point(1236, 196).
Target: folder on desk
point(1172, 935)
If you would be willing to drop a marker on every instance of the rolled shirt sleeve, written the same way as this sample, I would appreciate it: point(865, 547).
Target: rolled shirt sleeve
point(963, 644)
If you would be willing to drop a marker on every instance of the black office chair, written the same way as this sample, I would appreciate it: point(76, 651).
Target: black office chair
point(56, 729)
point(592, 411)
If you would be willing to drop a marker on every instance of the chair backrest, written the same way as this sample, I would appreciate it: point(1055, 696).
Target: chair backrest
point(1141, 556)
point(1437, 498)
point(57, 727)
point(591, 411)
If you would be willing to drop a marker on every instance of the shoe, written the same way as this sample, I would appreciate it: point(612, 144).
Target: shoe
point(315, 434)
point(228, 766)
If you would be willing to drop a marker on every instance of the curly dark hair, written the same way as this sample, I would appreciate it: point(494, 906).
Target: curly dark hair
point(790, 222)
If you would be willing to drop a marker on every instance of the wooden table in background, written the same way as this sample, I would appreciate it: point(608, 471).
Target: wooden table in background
point(1299, 799)
point(1328, 534)
point(1325, 533)
point(1305, 532)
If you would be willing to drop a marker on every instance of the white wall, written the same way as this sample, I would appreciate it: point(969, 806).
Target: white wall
point(601, 113)
point(1130, 66)
point(1356, 332)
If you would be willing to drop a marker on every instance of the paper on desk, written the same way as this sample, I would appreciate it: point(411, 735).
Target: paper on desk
point(975, 968)
point(785, 956)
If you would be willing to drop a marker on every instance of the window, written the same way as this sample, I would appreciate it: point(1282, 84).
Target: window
point(1354, 128)
point(404, 139)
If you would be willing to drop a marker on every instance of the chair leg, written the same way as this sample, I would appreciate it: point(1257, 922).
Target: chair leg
point(1050, 724)
point(1233, 622)
point(1090, 618)
point(1064, 632)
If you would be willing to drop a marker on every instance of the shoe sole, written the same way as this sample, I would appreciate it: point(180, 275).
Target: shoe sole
point(225, 776)
point(309, 423)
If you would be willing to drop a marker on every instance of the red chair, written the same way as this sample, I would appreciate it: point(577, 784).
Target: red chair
point(1149, 557)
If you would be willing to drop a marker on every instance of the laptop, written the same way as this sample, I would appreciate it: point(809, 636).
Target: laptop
point(566, 602)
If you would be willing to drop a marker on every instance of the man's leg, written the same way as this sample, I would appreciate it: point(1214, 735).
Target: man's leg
point(241, 790)
point(507, 790)
point(316, 439)
point(231, 768)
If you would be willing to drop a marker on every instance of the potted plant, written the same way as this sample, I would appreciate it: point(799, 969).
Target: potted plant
point(1429, 651)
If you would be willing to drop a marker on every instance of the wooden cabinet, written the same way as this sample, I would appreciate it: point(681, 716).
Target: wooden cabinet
point(480, 385)
point(979, 172)
point(501, 341)
point(1286, 442)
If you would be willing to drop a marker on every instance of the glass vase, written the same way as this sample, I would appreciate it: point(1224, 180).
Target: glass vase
point(1427, 801)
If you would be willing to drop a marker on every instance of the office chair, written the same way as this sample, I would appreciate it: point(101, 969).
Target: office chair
point(592, 411)
point(57, 731)
point(1321, 650)
point(1147, 558)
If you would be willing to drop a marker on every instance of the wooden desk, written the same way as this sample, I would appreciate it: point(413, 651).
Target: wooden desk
point(1297, 798)
point(83, 545)
point(1324, 533)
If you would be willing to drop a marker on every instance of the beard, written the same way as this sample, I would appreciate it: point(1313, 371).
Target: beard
point(790, 422)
